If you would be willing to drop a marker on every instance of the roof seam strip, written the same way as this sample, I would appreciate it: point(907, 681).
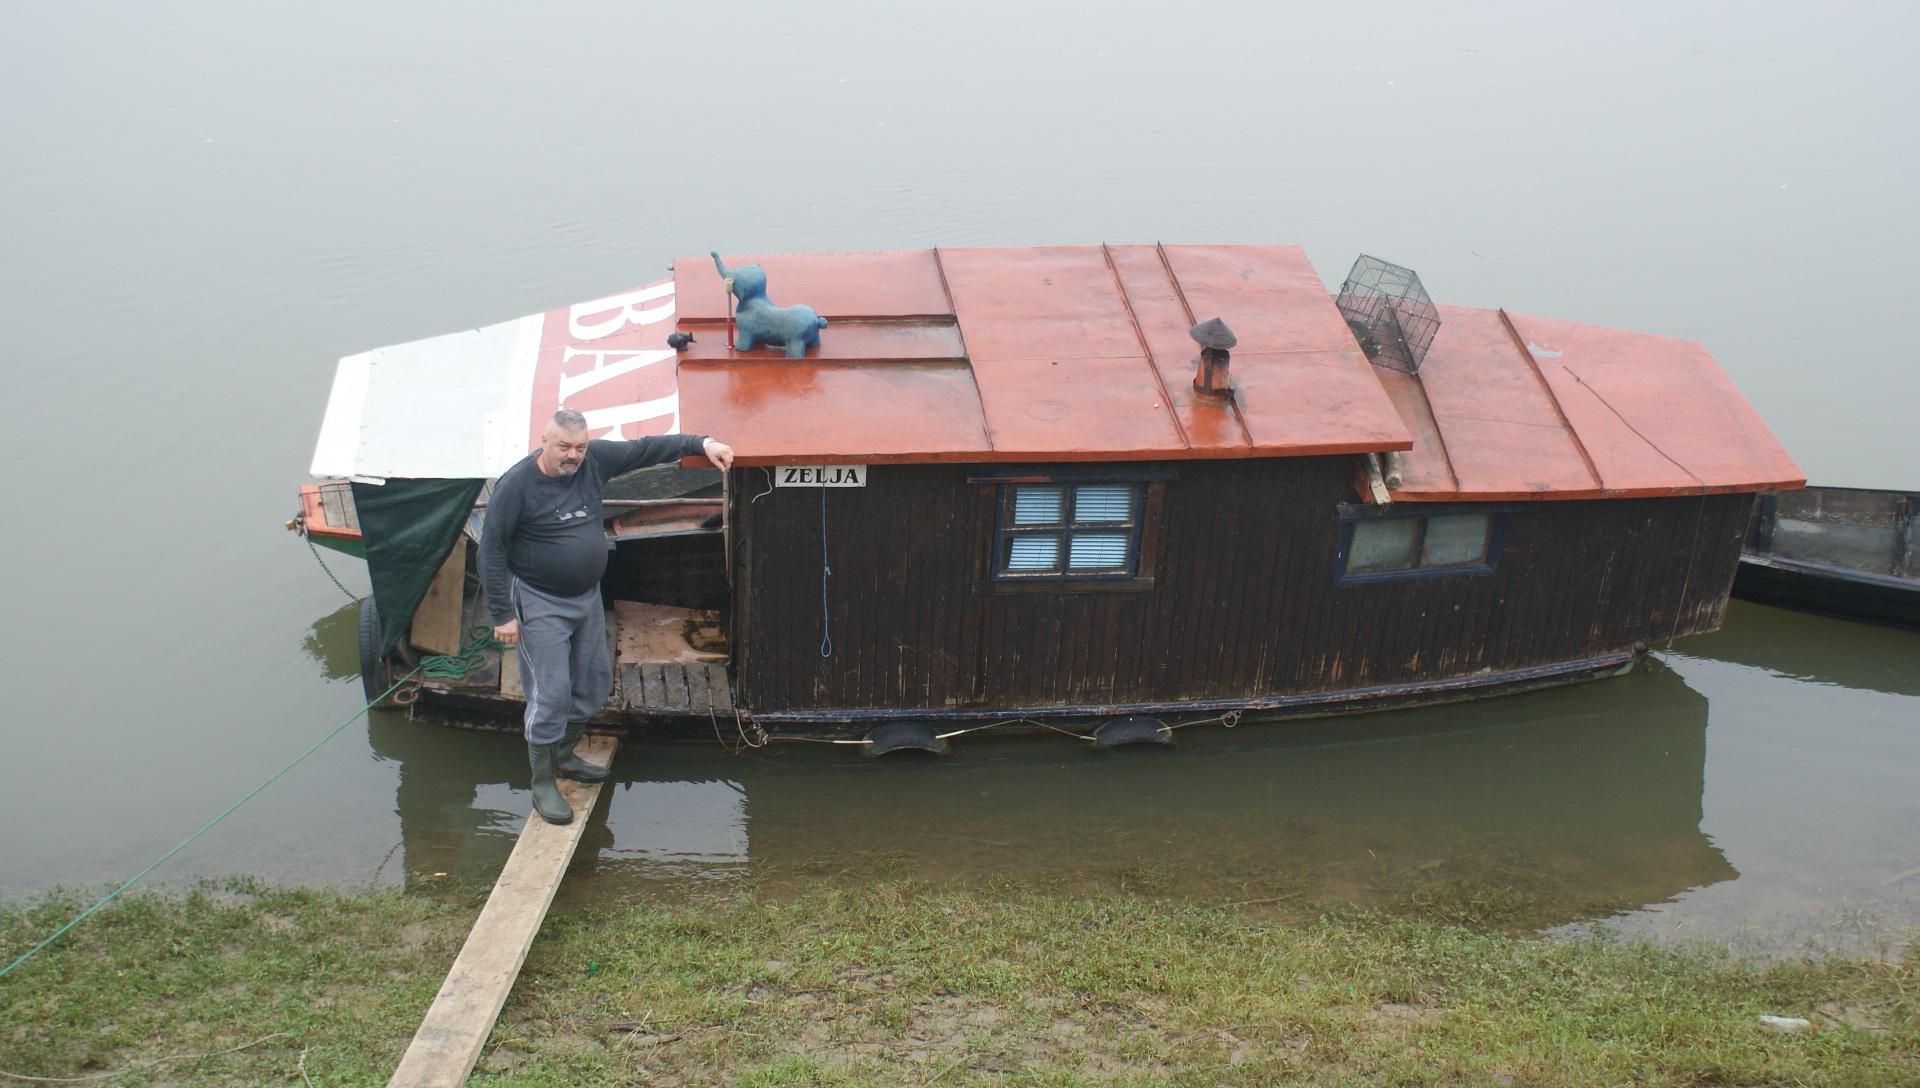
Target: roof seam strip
point(980, 402)
point(1186, 307)
point(1153, 365)
point(1439, 435)
point(1539, 375)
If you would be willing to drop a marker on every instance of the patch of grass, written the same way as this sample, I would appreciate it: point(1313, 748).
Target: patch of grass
point(154, 976)
point(900, 983)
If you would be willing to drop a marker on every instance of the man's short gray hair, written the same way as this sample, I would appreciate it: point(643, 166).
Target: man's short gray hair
point(568, 420)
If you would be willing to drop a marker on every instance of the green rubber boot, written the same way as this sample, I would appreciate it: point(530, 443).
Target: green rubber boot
point(547, 801)
point(569, 765)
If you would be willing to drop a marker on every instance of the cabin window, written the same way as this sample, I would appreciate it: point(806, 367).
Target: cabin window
point(1435, 543)
point(1068, 531)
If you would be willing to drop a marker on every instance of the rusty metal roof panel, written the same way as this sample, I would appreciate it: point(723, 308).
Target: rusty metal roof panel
point(891, 284)
point(847, 341)
point(1426, 470)
point(1639, 401)
point(773, 411)
point(1052, 303)
point(1533, 408)
point(1086, 409)
point(1212, 425)
point(1504, 435)
point(1270, 295)
point(1301, 403)
point(1301, 384)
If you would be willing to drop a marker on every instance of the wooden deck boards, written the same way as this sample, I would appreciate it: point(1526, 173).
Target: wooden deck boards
point(659, 671)
point(674, 687)
point(462, 1014)
point(655, 671)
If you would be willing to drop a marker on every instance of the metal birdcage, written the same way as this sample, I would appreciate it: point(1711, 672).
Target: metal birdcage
point(1389, 313)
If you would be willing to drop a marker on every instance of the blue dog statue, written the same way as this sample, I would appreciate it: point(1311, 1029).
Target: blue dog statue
point(757, 320)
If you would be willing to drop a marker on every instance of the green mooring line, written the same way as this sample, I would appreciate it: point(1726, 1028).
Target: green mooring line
point(438, 665)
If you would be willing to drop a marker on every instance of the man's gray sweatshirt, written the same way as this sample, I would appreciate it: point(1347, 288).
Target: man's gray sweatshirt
point(546, 531)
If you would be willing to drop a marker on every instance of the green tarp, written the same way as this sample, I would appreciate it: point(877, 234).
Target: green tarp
point(409, 526)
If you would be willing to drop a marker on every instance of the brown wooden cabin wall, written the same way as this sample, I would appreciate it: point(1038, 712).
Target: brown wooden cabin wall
point(1244, 600)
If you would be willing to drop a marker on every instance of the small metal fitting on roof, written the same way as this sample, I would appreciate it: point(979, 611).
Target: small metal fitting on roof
point(1210, 369)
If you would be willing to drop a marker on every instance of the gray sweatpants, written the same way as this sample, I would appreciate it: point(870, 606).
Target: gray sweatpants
point(563, 659)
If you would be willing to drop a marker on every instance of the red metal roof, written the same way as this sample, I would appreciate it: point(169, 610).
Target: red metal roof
point(1073, 353)
point(1081, 353)
point(1512, 407)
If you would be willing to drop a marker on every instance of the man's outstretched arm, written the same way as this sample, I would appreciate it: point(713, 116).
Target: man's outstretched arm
point(622, 457)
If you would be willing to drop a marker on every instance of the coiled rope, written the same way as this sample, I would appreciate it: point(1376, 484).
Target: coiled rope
point(443, 666)
point(473, 655)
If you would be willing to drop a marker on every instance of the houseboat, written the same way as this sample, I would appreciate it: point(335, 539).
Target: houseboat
point(1106, 490)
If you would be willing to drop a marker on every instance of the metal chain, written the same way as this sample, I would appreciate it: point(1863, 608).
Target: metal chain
point(323, 566)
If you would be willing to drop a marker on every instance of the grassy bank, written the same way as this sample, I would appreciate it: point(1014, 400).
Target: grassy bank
point(904, 984)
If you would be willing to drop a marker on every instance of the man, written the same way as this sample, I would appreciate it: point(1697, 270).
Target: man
point(541, 557)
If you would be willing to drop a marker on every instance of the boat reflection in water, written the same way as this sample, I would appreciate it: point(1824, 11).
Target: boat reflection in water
point(1533, 810)
point(330, 643)
point(1811, 649)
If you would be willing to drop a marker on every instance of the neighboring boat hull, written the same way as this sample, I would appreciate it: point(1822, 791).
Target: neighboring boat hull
point(1836, 551)
point(1828, 591)
point(327, 518)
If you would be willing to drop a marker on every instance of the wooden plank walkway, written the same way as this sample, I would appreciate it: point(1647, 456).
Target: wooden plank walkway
point(462, 1015)
point(674, 687)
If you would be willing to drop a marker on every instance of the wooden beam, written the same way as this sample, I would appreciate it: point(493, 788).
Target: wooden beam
point(462, 1015)
point(613, 654)
point(436, 623)
point(510, 674)
point(1376, 482)
point(717, 688)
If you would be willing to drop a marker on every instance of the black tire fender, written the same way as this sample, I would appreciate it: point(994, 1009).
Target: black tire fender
point(375, 676)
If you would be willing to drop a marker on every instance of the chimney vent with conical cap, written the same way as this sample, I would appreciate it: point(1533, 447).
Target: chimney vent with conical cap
point(1210, 369)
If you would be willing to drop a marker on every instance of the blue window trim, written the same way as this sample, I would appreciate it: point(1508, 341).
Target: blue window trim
point(1352, 514)
point(1002, 504)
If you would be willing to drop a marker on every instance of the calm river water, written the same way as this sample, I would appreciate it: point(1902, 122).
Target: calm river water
point(202, 206)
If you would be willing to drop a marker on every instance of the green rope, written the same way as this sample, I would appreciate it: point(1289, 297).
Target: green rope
point(480, 643)
point(440, 666)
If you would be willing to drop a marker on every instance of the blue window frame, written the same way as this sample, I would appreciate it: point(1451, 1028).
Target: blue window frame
point(1377, 546)
point(1068, 530)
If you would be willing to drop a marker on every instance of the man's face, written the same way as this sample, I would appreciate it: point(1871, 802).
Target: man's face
point(562, 451)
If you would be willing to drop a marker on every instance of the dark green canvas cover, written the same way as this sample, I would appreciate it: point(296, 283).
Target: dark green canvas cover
point(409, 526)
